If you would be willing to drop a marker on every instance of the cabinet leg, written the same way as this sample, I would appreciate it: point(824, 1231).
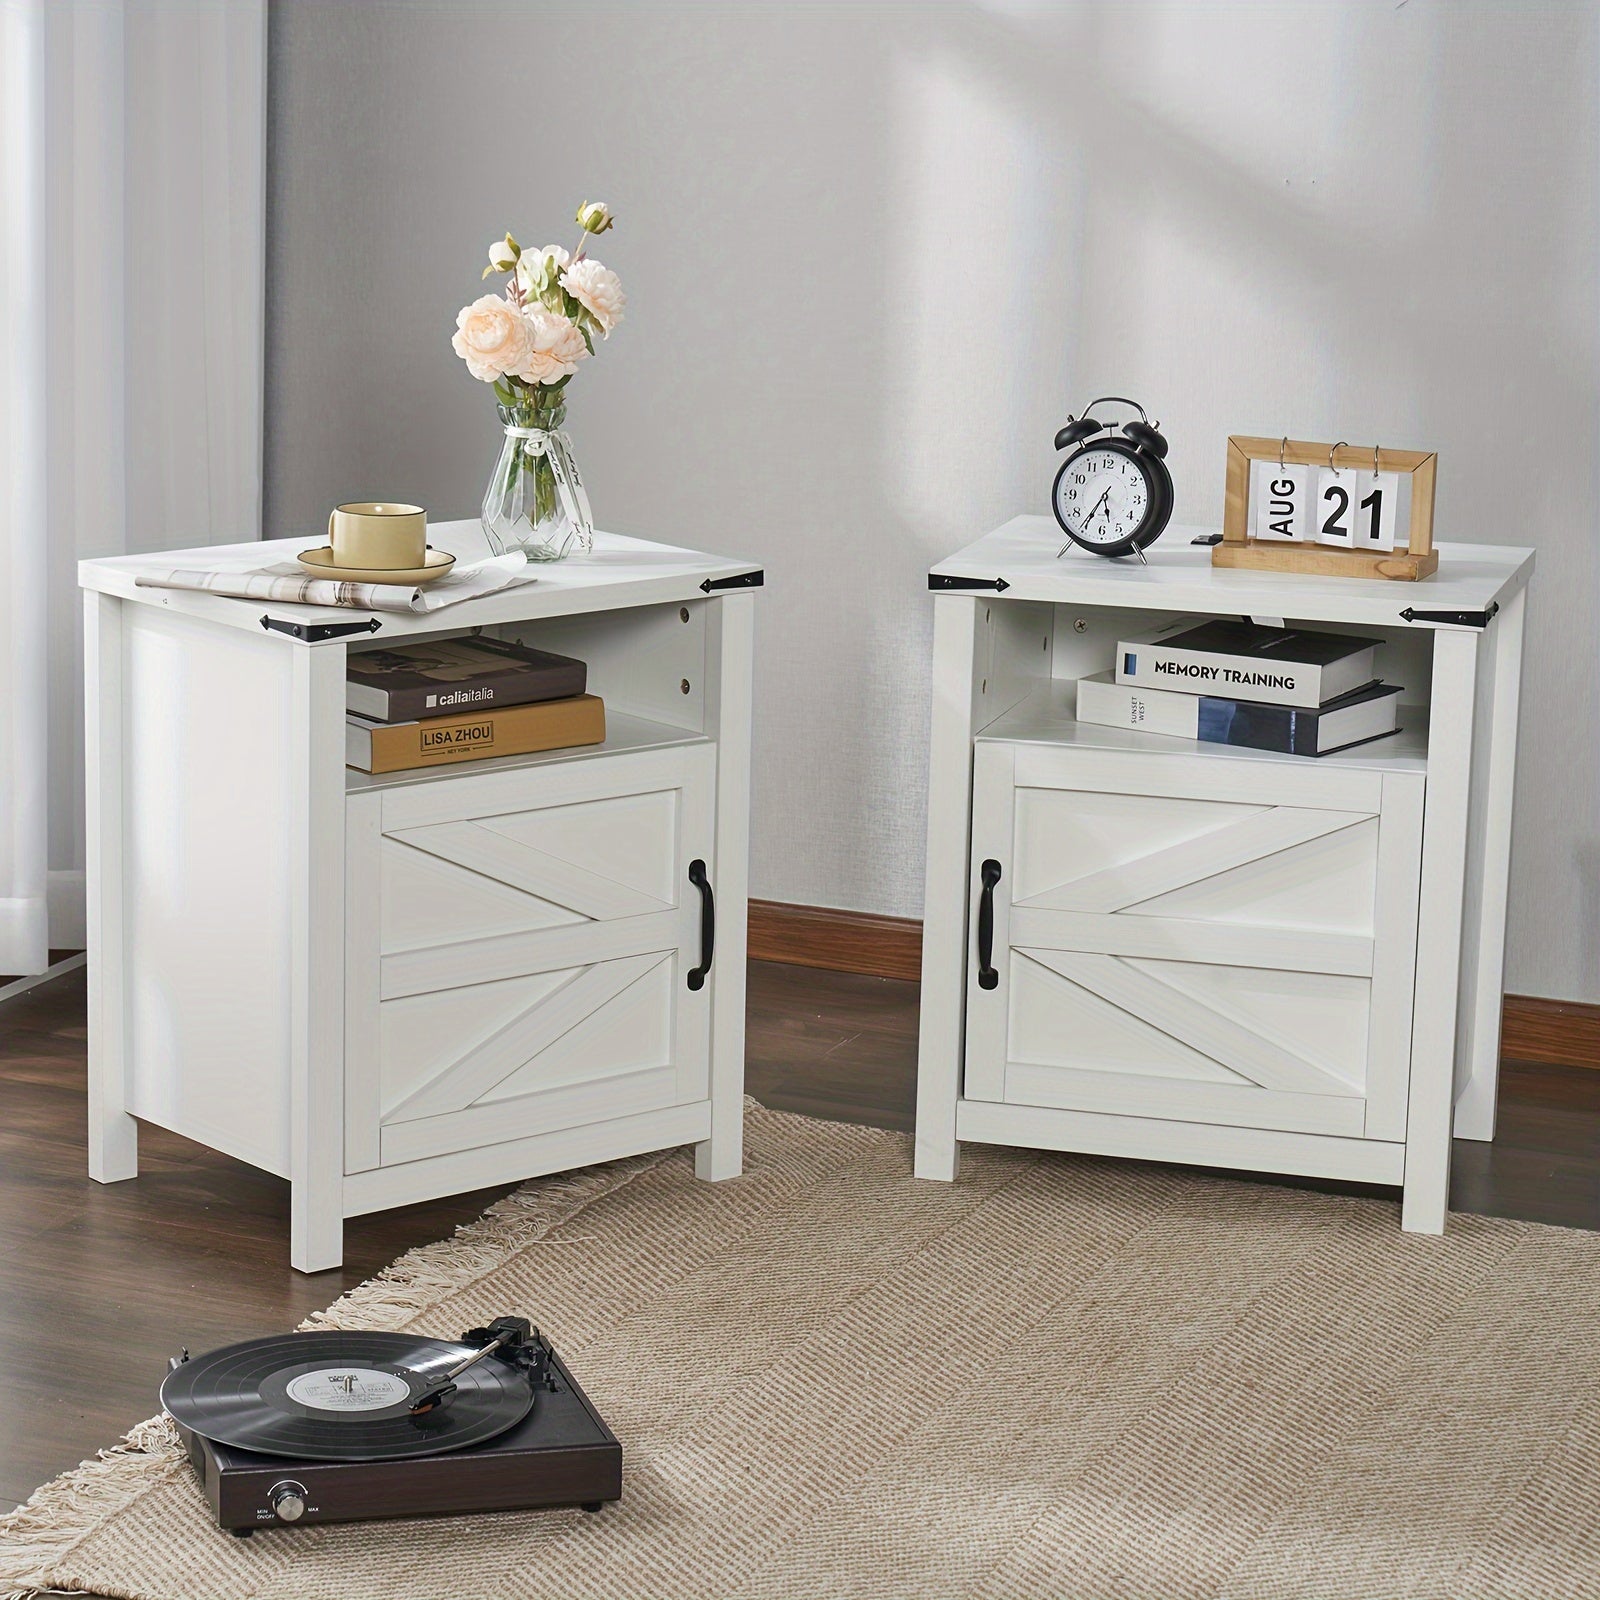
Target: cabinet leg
point(1425, 1199)
point(730, 634)
point(1440, 919)
point(113, 1134)
point(722, 1155)
point(941, 1038)
point(316, 979)
point(936, 1157)
point(316, 1231)
point(1483, 962)
point(113, 1140)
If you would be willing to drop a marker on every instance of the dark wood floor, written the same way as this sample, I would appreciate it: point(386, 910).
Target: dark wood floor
point(99, 1284)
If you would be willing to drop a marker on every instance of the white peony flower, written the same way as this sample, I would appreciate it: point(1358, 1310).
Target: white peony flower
point(503, 254)
point(531, 268)
point(594, 216)
point(555, 347)
point(598, 290)
point(492, 337)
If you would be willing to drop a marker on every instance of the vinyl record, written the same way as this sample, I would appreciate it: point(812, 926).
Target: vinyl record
point(343, 1396)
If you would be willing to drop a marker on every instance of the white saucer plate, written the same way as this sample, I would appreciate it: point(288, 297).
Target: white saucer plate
point(320, 562)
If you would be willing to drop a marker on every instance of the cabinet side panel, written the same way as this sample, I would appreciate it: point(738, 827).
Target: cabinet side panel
point(1085, 638)
point(206, 882)
point(639, 658)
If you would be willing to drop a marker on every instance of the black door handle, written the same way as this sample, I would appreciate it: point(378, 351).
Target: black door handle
point(988, 978)
point(708, 923)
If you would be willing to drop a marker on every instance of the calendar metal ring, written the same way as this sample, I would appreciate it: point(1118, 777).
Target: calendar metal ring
point(1333, 450)
point(1282, 446)
point(1374, 461)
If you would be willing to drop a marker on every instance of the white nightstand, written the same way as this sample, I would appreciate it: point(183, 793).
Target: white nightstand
point(396, 987)
point(1153, 947)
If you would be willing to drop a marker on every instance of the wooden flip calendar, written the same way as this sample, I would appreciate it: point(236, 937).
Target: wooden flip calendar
point(1342, 510)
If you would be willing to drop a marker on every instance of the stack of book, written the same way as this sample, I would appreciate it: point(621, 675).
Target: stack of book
point(447, 700)
point(1285, 689)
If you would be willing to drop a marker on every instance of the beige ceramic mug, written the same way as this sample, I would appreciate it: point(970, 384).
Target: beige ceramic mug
point(377, 533)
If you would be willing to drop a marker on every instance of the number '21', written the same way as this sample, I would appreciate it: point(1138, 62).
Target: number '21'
point(1333, 526)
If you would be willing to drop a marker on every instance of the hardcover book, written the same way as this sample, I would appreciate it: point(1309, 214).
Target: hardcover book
point(1367, 713)
point(374, 746)
point(1244, 661)
point(441, 676)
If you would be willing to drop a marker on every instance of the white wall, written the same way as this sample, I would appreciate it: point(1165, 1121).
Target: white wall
point(874, 255)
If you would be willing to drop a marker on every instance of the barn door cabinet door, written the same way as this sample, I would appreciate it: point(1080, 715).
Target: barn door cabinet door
point(521, 951)
point(1192, 939)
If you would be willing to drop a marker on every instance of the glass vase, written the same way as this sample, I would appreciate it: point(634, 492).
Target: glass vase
point(535, 501)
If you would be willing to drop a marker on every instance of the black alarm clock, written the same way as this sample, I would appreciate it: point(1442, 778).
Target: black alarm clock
point(1113, 494)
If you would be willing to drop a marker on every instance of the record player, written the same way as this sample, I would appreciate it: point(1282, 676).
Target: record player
point(346, 1426)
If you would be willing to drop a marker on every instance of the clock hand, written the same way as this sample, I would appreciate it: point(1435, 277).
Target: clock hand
point(1096, 511)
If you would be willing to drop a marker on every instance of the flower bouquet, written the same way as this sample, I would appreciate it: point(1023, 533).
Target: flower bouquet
point(528, 343)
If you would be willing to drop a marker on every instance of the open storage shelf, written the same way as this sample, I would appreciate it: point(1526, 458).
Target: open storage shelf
point(1047, 716)
point(624, 733)
point(648, 663)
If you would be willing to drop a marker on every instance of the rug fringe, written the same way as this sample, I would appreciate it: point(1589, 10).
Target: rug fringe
point(38, 1536)
point(41, 1533)
point(410, 1286)
point(415, 1282)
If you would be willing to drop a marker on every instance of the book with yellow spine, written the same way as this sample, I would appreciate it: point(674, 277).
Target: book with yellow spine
point(438, 741)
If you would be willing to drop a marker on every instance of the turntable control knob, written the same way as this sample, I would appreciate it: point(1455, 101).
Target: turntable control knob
point(288, 1500)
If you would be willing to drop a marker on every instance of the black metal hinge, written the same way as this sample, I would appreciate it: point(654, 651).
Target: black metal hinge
point(942, 580)
point(1461, 619)
point(740, 580)
point(316, 632)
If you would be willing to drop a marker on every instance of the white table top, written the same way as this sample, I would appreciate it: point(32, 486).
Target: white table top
point(619, 571)
point(1180, 577)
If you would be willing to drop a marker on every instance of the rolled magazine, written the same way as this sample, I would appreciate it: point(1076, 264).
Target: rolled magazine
point(293, 585)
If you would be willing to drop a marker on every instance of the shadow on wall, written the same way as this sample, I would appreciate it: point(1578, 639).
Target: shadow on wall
point(874, 254)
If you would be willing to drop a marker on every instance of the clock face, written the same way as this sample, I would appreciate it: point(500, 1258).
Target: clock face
point(1103, 496)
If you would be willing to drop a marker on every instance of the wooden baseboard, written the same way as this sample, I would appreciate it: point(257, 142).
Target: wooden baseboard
point(839, 941)
point(1552, 1032)
point(1563, 1033)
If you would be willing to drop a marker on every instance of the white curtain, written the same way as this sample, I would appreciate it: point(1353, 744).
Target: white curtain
point(132, 195)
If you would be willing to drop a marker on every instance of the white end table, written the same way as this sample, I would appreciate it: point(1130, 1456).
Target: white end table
point(389, 988)
point(1154, 947)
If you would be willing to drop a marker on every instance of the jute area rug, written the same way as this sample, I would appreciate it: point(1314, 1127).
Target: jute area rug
point(1058, 1377)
